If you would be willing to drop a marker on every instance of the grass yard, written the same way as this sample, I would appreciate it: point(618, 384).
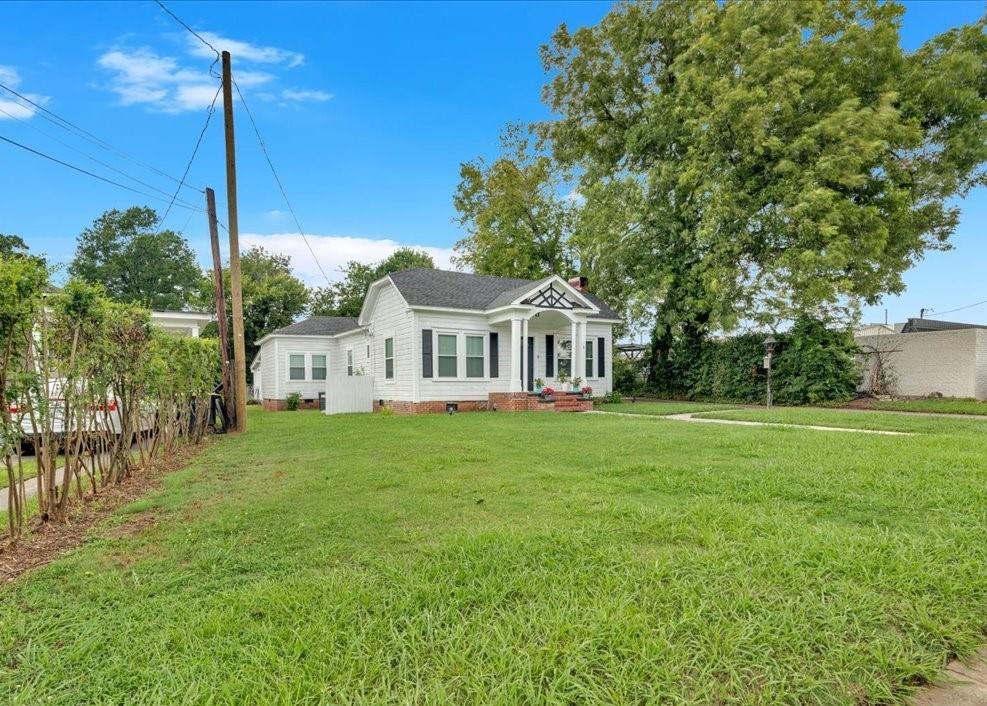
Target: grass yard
point(855, 419)
point(518, 559)
point(663, 408)
point(940, 406)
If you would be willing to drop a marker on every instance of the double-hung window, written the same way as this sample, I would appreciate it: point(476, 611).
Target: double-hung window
point(349, 362)
point(389, 358)
point(564, 358)
point(319, 367)
point(296, 366)
point(448, 355)
point(589, 360)
point(474, 356)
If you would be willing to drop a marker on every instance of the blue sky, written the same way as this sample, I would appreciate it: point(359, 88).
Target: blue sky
point(367, 109)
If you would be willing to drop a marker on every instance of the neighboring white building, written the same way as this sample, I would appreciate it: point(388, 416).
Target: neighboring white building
point(928, 357)
point(430, 338)
point(183, 323)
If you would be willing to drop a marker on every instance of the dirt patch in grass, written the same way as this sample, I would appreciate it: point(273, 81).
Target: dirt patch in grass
point(43, 542)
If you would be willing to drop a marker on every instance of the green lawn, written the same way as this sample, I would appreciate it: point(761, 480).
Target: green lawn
point(855, 419)
point(518, 559)
point(941, 406)
point(663, 408)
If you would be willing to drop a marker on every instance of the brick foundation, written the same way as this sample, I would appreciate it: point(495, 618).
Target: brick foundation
point(500, 401)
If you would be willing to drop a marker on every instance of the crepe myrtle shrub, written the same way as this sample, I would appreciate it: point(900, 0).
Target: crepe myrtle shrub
point(22, 283)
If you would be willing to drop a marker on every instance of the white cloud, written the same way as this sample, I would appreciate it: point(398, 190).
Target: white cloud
point(12, 107)
point(301, 95)
point(165, 83)
point(334, 251)
point(244, 51)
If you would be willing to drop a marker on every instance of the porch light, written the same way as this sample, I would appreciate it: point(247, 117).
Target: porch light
point(769, 343)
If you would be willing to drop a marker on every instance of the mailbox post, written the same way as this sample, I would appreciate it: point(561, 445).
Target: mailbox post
point(769, 348)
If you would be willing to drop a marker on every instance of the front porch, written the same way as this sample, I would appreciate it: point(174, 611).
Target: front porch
point(530, 402)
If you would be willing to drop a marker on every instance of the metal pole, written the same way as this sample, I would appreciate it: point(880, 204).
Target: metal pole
point(236, 290)
point(224, 331)
point(769, 381)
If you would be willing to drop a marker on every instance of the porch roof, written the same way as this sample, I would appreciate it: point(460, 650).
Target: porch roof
point(465, 290)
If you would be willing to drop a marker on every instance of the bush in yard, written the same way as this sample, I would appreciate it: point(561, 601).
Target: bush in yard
point(816, 364)
point(292, 401)
point(628, 375)
point(813, 362)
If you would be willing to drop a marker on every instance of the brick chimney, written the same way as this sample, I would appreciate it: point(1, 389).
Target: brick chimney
point(580, 284)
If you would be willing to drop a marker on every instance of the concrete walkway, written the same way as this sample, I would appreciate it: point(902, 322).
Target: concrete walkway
point(962, 685)
point(691, 417)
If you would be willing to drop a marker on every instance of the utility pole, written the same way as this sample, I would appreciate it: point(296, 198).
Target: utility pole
point(236, 289)
point(229, 401)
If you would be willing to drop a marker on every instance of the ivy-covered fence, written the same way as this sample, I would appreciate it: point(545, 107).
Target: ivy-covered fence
point(812, 363)
point(91, 388)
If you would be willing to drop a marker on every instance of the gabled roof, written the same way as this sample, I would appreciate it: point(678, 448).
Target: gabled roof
point(465, 290)
point(922, 325)
point(318, 326)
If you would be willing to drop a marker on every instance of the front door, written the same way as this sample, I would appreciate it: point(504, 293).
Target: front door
point(531, 364)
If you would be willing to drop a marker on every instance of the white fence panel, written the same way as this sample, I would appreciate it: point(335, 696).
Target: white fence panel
point(349, 393)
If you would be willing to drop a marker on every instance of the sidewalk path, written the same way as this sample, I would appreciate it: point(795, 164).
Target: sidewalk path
point(691, 417)
point(962, 685)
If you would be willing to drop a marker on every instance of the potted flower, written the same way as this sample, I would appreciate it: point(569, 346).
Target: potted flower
point(548, 394)
point(539, 384)
point(577, 382)
point(587, 392)
point(563, 379)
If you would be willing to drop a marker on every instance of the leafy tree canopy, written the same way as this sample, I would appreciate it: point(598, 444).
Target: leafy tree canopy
point(272, 296)
point(754, 161)
point(517, 223)
point(345, 298)
point(136, 262)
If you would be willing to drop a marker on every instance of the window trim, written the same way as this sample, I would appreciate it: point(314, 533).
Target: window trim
point(461, 336)
point(484, 342)
point(304, 357)
point(439, 356)
point(392, 376)
point(350, 362)
point(589, 359)
point(559, 348)
point(311, 367)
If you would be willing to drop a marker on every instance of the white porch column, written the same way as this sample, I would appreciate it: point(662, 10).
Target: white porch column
point(515, 367)
point(524, 354)
point(573, 348)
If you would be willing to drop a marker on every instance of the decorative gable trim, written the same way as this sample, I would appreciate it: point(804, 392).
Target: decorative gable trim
point(555, 293)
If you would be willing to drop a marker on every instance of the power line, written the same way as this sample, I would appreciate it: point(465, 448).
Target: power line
point(291, 210)
point(92, 174)
point(88, 156)
point(212, 67)
point(78, 131)
point(959, 308)
point(195, 150)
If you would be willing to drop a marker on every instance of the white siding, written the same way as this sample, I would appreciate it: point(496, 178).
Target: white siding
point(391, 318)
point(442, 389)
point(267, 369)
point(308, 388)
point(950, 363)
point(358, 341)
point(605, 384)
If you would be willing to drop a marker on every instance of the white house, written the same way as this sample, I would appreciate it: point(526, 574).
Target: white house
point(182, 323)
point(427, 338)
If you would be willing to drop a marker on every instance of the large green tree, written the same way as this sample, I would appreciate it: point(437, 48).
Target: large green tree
point(761, 160)
point(272, 296)
point(136, 261)
point(517, 219)
point(345, 298)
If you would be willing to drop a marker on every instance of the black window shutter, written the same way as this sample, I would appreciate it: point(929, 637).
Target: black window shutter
point(426, 352)
point(550, 356)
point(601, 365)
point(494, 355)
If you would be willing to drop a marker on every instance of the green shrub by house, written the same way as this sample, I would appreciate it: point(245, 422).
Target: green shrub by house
point(813, 363)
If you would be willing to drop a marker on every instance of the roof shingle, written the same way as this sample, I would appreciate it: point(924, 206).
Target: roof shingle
point(318, 326)
point(465, 290)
